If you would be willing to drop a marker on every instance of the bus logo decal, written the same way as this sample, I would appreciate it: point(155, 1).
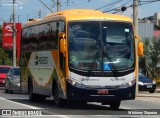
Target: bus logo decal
point(40, 60)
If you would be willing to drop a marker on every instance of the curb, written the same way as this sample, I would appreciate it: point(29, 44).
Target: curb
point(158, 90)
point(150, 94)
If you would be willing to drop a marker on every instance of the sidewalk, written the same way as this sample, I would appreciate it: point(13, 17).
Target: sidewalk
point(156, 94)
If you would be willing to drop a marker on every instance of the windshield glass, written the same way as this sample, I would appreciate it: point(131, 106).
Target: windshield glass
point(16, 71)
point(141, 76)
point(4, 70)
point(98, 45)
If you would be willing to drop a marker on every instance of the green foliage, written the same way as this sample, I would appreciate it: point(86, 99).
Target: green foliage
point(157, 27)
point(4, 58)
point(0, 35)
point(4, 53)
point(151, 51)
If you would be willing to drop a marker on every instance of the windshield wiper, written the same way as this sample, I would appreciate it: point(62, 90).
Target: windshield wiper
point(92, 65)
point(110, 60)
point(94, 60)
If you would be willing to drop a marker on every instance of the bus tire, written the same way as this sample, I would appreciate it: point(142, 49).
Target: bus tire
point(32, 96)
point(57, 100)
point(115, 105)
point(40, 98)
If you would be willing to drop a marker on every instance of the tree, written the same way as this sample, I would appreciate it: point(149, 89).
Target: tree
point(4, 58)
point(4, 53)
point(157, 27)
point(151, 52)
point(0, 35)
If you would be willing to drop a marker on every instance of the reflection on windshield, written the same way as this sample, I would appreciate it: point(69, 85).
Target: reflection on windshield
point(4, 70)
point(16, 71)
point(98, 44)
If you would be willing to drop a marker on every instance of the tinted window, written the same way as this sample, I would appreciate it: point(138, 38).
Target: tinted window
point(101, 45)
point(4, 70)
point(41, 37)
point(16, 71)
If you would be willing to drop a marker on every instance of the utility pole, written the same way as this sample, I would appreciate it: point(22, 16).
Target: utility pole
point(67, 2)
point(58, 5)
point(135, 16)
point(11, 18)
point(14, 36)
point(135, 23)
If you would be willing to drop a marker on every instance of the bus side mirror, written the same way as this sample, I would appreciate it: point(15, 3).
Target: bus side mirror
point(62, 37)
point(140, 46)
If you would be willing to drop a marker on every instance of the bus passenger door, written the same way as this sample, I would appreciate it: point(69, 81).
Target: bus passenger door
point(62, 58)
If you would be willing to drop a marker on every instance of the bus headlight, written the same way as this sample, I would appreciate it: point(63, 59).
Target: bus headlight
point(154, 82)
point(140, 83)
point(127, 84)
point(76, 83)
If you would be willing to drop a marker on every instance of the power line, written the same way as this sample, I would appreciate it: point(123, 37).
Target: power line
point(113, 5)
point(2, 19)
point(142, 3)
point(147, 2)
point(73, 3)
point(42, 10)
point(109, 4)
point(46, 6)
point(54, 3)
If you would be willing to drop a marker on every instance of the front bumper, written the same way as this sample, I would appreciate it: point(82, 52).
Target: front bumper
point(147, 87)
point(2, 82)
point(15, 86)
point(91, 95)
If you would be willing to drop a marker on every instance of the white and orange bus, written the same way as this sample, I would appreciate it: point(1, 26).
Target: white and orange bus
point(80, 55)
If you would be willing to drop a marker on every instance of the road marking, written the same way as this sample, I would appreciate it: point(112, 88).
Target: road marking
point(32, 107)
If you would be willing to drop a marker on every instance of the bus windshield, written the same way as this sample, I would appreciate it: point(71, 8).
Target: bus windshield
point(98, 45)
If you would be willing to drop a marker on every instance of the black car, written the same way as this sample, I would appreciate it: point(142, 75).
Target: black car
point(146, 84)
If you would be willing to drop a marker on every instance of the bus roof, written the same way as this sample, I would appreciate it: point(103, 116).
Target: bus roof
point(79, 14)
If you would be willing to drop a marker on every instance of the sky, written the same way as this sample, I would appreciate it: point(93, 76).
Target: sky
point(30, 8)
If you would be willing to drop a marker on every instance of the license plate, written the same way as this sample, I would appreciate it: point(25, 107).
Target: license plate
point(102, 92)
point(149, 86)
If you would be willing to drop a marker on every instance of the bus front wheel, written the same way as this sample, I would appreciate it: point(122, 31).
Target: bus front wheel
point(115, 105)
point(57, 100)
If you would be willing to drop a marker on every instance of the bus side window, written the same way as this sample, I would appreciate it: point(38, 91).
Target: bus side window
point(61, 26)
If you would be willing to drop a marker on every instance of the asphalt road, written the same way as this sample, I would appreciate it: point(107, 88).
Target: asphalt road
point(19, 102)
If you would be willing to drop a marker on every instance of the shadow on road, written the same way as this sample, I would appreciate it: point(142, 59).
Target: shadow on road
point(71, 108)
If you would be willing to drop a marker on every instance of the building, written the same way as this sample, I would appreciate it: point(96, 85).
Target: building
point(156, 19)
point(145, 30)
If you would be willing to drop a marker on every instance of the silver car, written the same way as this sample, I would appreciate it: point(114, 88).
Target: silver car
point(12, 82)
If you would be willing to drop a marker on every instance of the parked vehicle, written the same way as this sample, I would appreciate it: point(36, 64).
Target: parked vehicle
point(146, 84)
point(4, 69)
point(12, 82)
